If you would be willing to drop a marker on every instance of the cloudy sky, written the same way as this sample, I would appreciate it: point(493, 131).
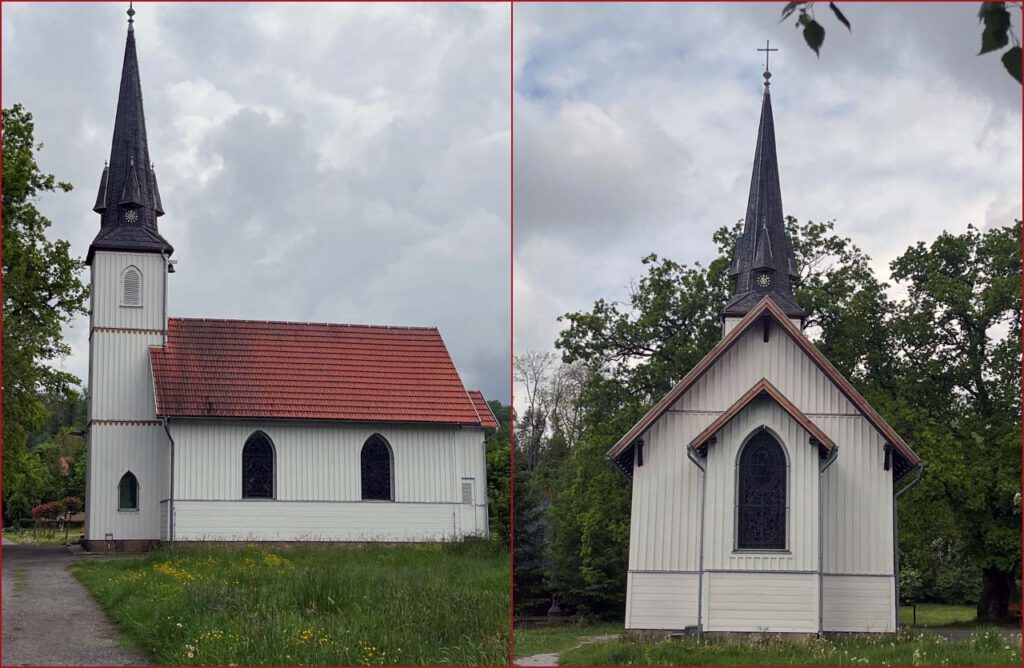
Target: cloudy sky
point(339, 163)
point(635, 129)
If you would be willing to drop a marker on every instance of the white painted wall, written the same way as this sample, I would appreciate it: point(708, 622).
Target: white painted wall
point(662, 601)
point(769, 602)
point(859, 603)
point(857, 492)
point(317, 469)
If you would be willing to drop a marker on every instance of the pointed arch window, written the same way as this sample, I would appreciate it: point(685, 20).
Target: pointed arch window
point(131, 287)
point(258, 467)
point(761, 494)
point(376, 466)
point(128, 492)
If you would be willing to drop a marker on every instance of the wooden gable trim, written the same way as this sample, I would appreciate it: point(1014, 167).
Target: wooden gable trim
point(768, 308)
point(763, 387)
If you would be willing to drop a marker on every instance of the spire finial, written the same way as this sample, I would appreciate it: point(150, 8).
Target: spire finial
point(767, 52)
point(131, 13)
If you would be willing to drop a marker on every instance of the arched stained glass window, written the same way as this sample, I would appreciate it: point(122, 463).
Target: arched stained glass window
point(128, 492)
point(258, 467)
point(761, 497)
point(375, 464)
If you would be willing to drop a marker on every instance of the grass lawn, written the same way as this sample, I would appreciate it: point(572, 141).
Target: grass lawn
point(548, 639)
point(42, 536)
point(987, 647)
point(377, 605)
point(939, 614)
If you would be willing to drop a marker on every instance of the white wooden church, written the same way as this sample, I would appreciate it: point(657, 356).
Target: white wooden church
point(764, 486)
point(231, 430)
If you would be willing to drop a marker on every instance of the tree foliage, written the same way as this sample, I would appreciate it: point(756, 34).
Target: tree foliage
point(42, 291)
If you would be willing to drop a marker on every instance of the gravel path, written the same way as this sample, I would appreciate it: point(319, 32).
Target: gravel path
point(552, 659)
point(49, 618)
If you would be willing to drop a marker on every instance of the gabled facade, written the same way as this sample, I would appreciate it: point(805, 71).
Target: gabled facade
point(227, 430)
point(764, 485)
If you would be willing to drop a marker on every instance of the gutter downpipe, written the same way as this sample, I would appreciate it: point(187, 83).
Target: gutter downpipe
point(700, 565)
point(896, 539)
point(170, 507)
point(167, 269)
point(821, 541)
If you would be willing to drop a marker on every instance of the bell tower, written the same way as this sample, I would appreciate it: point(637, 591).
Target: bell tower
point(763, 264)
point(127, 481)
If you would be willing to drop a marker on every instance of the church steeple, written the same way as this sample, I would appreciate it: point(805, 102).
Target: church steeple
point(128, 200)
point(763, 263)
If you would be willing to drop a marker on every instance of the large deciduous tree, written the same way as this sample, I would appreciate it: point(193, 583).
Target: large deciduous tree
point(960, 339)
point(42, 290)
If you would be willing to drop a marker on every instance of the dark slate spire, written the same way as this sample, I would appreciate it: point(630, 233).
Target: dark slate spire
point(128, 200)
point(762, 262)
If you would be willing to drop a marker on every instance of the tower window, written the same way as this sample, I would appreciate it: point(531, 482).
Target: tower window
point(258, 467)
point(375, 465)
point(128, 492)
point(761, 495)
point(131, 287)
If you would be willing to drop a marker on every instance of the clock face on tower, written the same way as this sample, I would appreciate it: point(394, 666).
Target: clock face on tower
point(131, 215)
point(764, 280)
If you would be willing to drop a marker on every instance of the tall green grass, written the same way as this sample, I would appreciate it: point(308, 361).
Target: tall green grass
point(378, 605)
point(986, 647)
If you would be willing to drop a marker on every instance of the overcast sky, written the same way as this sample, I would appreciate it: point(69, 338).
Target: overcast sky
point(338, 163)
point(635, 128)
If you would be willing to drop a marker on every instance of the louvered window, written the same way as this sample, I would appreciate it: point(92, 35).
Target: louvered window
point(258, 467)
point(761, 497)
point(131, 287)
point(128, 492)
point(467, 492)
point(375, 465)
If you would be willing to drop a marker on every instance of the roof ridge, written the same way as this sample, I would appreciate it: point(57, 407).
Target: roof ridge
point(306, 322)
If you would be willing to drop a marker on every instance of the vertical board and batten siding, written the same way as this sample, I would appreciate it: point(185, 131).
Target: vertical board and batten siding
point(801, 489)
point(768, 602)
point(318, 483)
point(114, 450)
point(664, 601)
point(121, 388)
point(857, 503)
point(107, 268)
point(859, 603)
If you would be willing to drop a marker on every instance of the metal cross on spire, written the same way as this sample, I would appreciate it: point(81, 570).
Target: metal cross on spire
point(767, 52)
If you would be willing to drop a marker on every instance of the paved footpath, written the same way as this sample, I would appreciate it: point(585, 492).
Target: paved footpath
point(49, 618)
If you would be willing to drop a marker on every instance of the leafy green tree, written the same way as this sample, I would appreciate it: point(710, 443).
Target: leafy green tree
point(499, 476)
point(960, 338)
point(42, 291)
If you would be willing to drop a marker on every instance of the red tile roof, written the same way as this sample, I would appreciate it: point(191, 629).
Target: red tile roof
point(487, 418)
point(291, 370)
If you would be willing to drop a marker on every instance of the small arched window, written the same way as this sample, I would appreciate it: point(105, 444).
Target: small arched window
point(375, 464)
point(131, 287)
point(761, 495)
point(258, 467)
point(128, 492)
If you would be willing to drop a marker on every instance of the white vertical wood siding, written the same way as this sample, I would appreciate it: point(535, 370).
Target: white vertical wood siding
point(122, 384)
point(114, 450)
point(107, 268)
point(862, 604)
point(802, 494)
point(665, 601)
point(857, 500)
point(320, 463)
point(769, 602)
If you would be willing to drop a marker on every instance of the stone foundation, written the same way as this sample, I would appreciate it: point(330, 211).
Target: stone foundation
point(638, 635)
point(127, 546)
